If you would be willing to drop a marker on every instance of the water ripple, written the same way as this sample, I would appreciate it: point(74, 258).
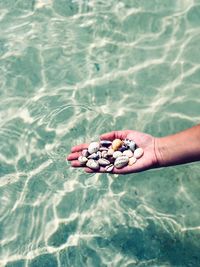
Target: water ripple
point(71, 70)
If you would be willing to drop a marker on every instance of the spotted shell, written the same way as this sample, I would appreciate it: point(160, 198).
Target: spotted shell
point(92, 164)
point(93, 147)
point(82, 160)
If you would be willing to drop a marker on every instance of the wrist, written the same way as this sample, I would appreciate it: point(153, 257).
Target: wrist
point(159, 151)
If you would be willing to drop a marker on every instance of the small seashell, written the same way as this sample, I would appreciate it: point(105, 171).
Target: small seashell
point(109, 168)
point(121, 162)
point(110, 152)
point(132, 146)
point(112, 160)
point(85, 153)
point(132, 160)
point(126, 142)
point(82, 160)
point(117, 154)
point(105, 142)
point(104, 154)
point(123, 148)
point(93, 147)
point(128, 153)
point(93, 156)
point(103, 162)
point(116, 144)
point(92, 164)
point(103, 148)
point(138, 152)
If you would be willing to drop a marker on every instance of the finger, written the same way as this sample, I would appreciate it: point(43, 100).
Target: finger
point(101, 170)
point(114, 135)
point(79, 148)
point(136, 167)
point(88, 170)
point(76, 163)
point(73, 156)
point(124, 170)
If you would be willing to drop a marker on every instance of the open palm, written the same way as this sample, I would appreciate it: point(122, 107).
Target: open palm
point(145, 141)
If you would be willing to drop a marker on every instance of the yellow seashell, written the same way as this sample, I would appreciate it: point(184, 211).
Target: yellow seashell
point(116, 144)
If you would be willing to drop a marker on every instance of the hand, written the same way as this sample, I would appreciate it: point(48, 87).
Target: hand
point(145, 141)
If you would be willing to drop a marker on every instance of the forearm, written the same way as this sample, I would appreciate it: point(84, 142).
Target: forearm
point(180, 148)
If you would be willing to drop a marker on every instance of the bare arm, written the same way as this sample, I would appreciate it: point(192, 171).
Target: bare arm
point(179, 148)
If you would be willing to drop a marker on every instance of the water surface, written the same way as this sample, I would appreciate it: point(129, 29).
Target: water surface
point(69, 71)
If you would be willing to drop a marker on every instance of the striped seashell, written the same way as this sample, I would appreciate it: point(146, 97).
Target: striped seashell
point(104, 154)
point(103, 162)
point(121, 162)
point(93, 156)
point(109, 168)
point(105, 142)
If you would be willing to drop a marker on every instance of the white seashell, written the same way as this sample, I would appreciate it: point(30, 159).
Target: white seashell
point(121, 162)
point(93, 156)
point(132, 160)
point(85, 153)
point(117, 154)
point(92, 164)
point(110, 152)
point(109, 168)
point(82, 160)
point(103, 162)
point(128, 153)
point(138, 153)
point(117, 143)
point(93, 147)
point(105, 142)
point(132, 146)
point(104, 154)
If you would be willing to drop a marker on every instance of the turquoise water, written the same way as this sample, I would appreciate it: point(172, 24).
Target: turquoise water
point(69, 71)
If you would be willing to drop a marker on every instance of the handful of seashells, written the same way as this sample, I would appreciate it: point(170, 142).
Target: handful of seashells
point(109, 154)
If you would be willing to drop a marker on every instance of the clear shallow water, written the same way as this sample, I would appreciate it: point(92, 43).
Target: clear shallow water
point(69, 71)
